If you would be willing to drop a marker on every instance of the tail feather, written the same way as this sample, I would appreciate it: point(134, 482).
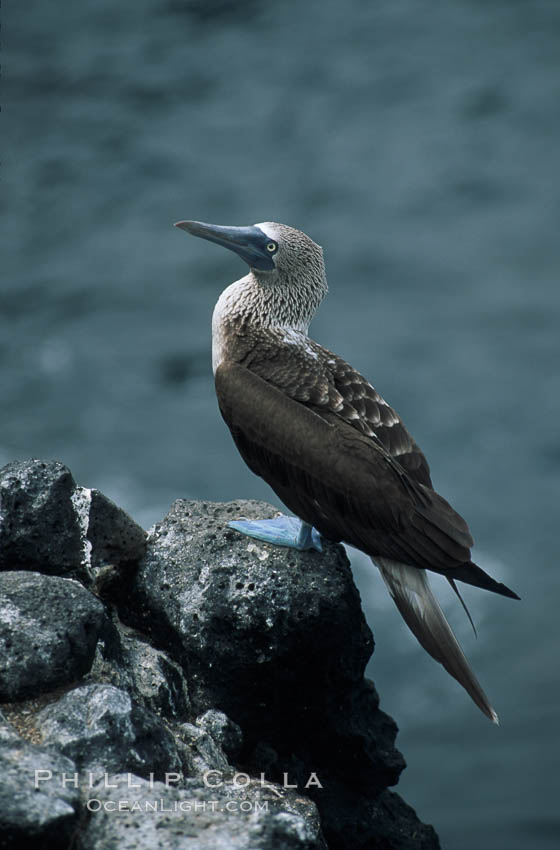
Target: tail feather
point(421, 611)
point(472, 574)
point(462, 601)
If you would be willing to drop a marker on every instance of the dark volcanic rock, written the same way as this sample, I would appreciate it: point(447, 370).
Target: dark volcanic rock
point(208, 744)
point(114, 536)
point(227, 817)
point(223, 730)
point(39, 530)
point(49, 628)
point(277, 640)
point(30, 816)
point(103, 730)
point(155, 679)
point(266, 645)
point(202, 752)
point(238, 613)
point(51, 526)
point(126, 659)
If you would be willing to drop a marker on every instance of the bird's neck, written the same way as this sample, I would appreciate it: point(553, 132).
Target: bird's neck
point(249, 305)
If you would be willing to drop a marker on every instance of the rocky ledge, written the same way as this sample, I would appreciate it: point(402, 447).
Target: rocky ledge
point(186, 688)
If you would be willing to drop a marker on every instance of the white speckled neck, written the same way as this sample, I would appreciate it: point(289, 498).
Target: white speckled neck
point(285, 297)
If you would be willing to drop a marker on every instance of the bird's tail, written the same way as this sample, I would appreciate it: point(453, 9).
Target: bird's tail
point(421, 611)
point(472, 574)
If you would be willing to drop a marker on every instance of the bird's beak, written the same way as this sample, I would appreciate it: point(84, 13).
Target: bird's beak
point(249, 242)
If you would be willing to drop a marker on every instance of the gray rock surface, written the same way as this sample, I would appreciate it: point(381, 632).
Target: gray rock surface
point(217, 600)
point(114, 536)
point(51, 526)
point(277, 640)
point(103, 730)
point(157, 681)
point(36, 808)
point(204, 656)
point(49, 627)
point(227, 817)
point(40, 529)
point(126, 659)
point(223, 730)
point(203, 752)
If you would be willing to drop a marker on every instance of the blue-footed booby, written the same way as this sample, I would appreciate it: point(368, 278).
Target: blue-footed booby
point(327, 443)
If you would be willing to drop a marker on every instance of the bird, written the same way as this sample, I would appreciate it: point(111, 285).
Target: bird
point(329, 445)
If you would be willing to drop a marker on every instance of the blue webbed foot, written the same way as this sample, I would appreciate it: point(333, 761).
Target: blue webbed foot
point(281, 531)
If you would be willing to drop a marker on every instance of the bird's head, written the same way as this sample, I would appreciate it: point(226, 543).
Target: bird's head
point(270, 249)
point(286, 265)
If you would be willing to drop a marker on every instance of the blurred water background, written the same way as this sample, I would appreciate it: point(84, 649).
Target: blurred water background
point(418, 143)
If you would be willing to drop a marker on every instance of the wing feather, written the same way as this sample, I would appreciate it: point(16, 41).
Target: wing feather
point(311, 374)
point(335, 477)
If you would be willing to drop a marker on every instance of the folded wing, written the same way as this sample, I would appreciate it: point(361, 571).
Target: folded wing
point(341, 481)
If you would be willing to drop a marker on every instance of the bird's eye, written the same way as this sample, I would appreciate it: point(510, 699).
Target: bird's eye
point(271, 247)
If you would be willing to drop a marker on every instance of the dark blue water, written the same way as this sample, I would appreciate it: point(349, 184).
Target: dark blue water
point(418, 143)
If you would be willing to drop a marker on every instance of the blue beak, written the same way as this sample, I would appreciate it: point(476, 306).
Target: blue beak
point(249, 242)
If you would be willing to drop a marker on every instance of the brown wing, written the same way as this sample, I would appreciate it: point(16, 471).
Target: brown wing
point(365, 409)
point(315, 376)
point(336, 478)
